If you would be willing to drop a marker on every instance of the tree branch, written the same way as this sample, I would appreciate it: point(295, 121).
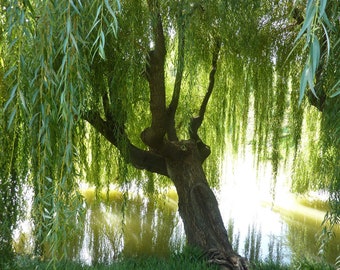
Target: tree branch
point(171, 112)
point(181, 25)
point(115, 134)
point(154, 135)
point(196, 122)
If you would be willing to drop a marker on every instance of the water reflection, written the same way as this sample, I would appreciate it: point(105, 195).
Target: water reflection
point(136, 226)
point(151, 226)
point(116, 227)
point(304, 235)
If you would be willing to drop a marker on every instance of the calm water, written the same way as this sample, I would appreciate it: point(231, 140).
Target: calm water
point(258, 226)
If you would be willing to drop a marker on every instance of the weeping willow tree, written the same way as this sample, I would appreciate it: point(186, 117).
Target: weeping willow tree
point(115, 92)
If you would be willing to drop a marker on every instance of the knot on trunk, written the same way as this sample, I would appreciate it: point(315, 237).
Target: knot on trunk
point(226, 262)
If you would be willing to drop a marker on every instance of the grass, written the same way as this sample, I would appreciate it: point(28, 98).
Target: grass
point(300, 264)
point(127, 264)
point(186, 260)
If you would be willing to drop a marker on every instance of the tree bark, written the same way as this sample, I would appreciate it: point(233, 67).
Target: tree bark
point(115, 134)
point(198, 207)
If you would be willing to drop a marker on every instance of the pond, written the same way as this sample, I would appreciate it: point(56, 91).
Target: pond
point(259, 225)
point(153, 227)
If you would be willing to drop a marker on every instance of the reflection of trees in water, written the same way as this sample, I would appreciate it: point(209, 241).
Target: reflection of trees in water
point(300, 237)
point(151, 227)
point(253, 244)
point(303, 237)
point(234, 238)
point(101, 231)
point(148, 227)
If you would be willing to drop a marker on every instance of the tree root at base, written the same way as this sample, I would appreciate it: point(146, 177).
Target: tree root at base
point(226, 262)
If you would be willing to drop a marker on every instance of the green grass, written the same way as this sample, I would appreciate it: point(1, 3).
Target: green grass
point(269, 265)
point(307, 264)
point(126, 264)
point(297, 264)
point(186, 260)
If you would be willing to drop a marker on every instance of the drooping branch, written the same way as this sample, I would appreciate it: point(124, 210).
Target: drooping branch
point(114, 133)
point(319, 100)
point(153, 136)
point(171, 112)
point(196, 122)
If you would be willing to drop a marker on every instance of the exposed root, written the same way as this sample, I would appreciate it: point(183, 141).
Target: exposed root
point(226, 262)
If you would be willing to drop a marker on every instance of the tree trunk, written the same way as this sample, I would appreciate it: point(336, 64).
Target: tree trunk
point(198, 208)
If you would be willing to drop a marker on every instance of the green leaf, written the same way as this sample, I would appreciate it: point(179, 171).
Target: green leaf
point(11, 118)
point(13, 94)
point(327, 39)
point(68, 26)
point(65, 44)
point(22, 60)
point(310, 13)
point(22, 17)
point(326, 20)
point(46, 216)
point(95, 21)
point(101, 51)
point(118, 5)
point(9, 71)
point(80, 4)
point(322, 8)
point(93, 26)
point(102, 45)
point(109, 8)
point(310, 80)
point(114, 26)
point(74, 42)
point(315, 54)
point(27, 3)
point(102, 38)
point(23, 101)
point(13, 42)
point(303, 84)
point(335, 94)
point(74, 7)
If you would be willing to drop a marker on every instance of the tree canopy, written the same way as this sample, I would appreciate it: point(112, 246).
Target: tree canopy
point(69, 69)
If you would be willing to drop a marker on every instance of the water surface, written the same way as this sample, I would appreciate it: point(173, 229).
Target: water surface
point(259, 224)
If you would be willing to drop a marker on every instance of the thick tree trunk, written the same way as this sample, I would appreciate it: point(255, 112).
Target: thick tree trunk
point(198, 208)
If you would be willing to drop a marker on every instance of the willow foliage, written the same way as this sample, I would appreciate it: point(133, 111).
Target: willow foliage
point(320, 32)
point(60, 58)
point(45, 81)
